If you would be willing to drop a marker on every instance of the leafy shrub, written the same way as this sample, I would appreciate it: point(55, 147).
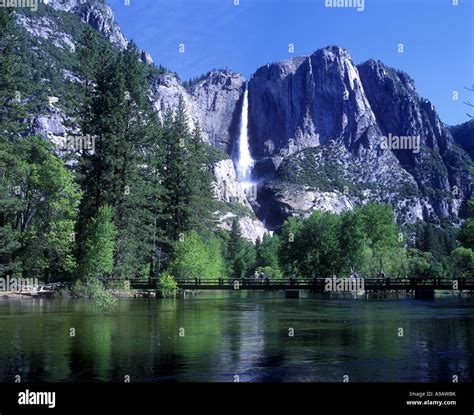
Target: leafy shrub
point(167, 285)
point(95, 291)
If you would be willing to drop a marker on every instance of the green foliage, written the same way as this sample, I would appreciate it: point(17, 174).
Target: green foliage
point(94, 290)
point(466, 234)
point(195, 258)
point(326, 244)
point(199, 181)
point(235, 241)
point(167, 285)
point(267, 252)
point(351, 240)
point(185, 175)
point(463, 259)
point(420, 263)
point(120, 173)
point(240, 253)
point(381, 237)
point(435, 239)
point(320, 236)
point(288, 252)
point(12, 69)
point(146, 191)
point(38, 204)
point(98, 260)
point(378, 224)
point(243, 261)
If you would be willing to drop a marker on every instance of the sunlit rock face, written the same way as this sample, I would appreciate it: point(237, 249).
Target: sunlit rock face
point(214, 102)
point(97, 14)
point(251, 228)
point(308, 101)
point(439, 166)
point(226, 186)
point(317, 126)
point(228, 189)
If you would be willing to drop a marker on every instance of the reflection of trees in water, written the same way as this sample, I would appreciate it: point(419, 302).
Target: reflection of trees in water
point(246, 336)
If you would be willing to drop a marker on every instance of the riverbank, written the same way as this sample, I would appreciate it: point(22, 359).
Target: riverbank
point(12, 295)
point(131, 294)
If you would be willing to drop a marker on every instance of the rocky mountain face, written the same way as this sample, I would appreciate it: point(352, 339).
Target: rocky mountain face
point(97, 14)
point(439, 166)
point(325, 139)
point(325, 133)
point(307, 102)
point(330, 177)
point(214, 102)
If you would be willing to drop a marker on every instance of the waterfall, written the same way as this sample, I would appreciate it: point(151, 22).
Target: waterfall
point(244, 161)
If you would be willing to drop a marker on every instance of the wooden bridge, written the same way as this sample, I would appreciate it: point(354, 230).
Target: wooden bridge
point(315, 284)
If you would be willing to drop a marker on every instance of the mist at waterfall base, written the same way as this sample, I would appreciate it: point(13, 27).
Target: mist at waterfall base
point(244, 161)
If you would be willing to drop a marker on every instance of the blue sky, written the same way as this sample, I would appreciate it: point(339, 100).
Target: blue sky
point(438, 38)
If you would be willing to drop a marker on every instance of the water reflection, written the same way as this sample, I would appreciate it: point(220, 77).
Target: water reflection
point(216, 338)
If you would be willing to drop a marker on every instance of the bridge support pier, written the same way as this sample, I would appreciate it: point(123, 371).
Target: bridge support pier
point(424, 294)
point(292, 293)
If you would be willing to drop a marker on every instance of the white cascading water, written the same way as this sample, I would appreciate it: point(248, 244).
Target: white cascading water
point(244, 162)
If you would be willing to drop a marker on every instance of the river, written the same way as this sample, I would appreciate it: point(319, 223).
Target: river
point(238, 336)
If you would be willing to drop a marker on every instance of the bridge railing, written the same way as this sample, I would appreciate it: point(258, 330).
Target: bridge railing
point(244, 282)
point(310, 283)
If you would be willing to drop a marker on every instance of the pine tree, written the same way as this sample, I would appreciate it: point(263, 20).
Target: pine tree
point(235, 241)
point(267, 251)
point(241, 254)
point(291, 252)
point(116, 174)
point(153, 198)
point(176, 179)
point(200, 179)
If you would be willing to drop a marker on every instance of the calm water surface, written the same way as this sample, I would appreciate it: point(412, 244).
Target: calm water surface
point(244, 334)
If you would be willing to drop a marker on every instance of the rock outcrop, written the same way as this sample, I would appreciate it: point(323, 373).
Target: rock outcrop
point(214, 102)
point(97, 14)
point(251, 228)
point(226, 187)
point(165, 92)
point(439, 165)
point(145, 57)
point(45, 28)
point(228, 190)
point(218, 98)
